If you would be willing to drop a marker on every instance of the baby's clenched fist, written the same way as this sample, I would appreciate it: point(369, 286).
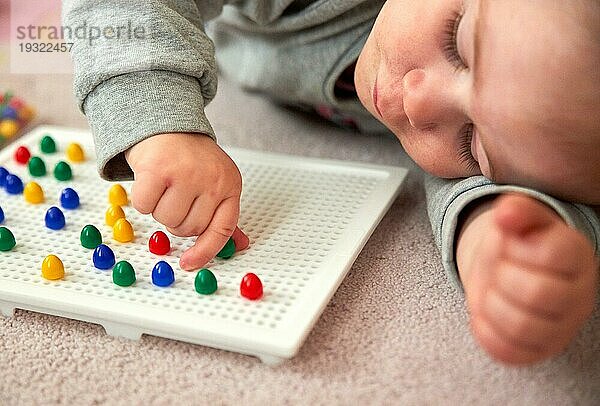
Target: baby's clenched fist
point(530, 279)
point(190, 185)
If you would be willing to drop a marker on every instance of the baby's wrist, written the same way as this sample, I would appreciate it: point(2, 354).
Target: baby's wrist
point(166, 139)
point(473, 222)
point(472, 211)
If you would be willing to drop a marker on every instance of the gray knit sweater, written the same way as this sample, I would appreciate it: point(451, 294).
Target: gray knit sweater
point(131, 88)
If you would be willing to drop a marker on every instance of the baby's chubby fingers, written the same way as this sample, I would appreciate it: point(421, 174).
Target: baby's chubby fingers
point(197, 219)
point(213, 239)
point(523, 329)
point(536, 235)
point(542, 294)
point(146, 192)
point(240, 239)
point(520, 214)
point(173, 206)
point(560, 250)
point(499, 348)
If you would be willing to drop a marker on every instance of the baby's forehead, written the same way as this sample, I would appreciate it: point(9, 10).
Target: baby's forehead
point(557, 161)
point(537, 100)
point(542, 137)
point(541, 46)
point(556, 96)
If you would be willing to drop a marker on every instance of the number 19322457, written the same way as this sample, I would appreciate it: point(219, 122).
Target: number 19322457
point(45, 47)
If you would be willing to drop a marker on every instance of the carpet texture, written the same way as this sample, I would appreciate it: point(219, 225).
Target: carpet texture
point(394, 333)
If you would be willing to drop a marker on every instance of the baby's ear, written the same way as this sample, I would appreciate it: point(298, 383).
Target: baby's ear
point(520, 214)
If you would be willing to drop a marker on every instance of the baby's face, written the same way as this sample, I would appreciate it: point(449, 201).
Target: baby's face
point(489, 87)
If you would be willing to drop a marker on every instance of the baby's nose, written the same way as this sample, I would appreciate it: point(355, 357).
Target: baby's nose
point(425, 103)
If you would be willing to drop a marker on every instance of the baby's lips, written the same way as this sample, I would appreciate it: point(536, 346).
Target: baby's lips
point(240, 239)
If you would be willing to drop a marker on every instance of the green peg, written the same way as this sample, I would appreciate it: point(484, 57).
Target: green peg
point(228, 250)
point(7, 239)
point(90, 237)
point(205, 282)
point(47, 145)
point(123, 274)
point(62, 171)
point(7, 96)
point(36, 166)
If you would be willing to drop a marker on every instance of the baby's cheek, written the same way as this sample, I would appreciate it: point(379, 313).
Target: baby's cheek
point(432, 155)
point(362, 91)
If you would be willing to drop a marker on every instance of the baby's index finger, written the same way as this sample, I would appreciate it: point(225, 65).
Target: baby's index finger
point(190, 257)
point(214, 238)
point(240, 239)
point(199, 254)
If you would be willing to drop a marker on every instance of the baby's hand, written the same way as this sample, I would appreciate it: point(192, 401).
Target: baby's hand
point(530, 280)
point(191, 186)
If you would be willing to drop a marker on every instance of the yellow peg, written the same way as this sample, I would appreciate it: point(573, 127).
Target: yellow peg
point(53, 268)
point(123, 231)
point(33, 193)
point(75, 153)
point(8, 128)
point(113, 213)
point(117, 195)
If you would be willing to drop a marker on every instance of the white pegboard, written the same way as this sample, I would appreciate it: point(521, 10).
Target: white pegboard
point(307, 220)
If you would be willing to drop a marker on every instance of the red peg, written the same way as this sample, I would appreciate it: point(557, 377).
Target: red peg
point(22, 155)
point(159, 243)
point(251, 287)
point(16, 103)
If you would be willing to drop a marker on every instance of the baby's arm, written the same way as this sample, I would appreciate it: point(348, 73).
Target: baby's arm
point(530, 279)
point(145, 93)
point(487, 223)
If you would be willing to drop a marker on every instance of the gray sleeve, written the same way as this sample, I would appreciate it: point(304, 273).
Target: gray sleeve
point(447, 198)
point(151, 71)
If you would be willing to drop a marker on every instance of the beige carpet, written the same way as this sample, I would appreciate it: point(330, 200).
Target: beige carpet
point(394, 333)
